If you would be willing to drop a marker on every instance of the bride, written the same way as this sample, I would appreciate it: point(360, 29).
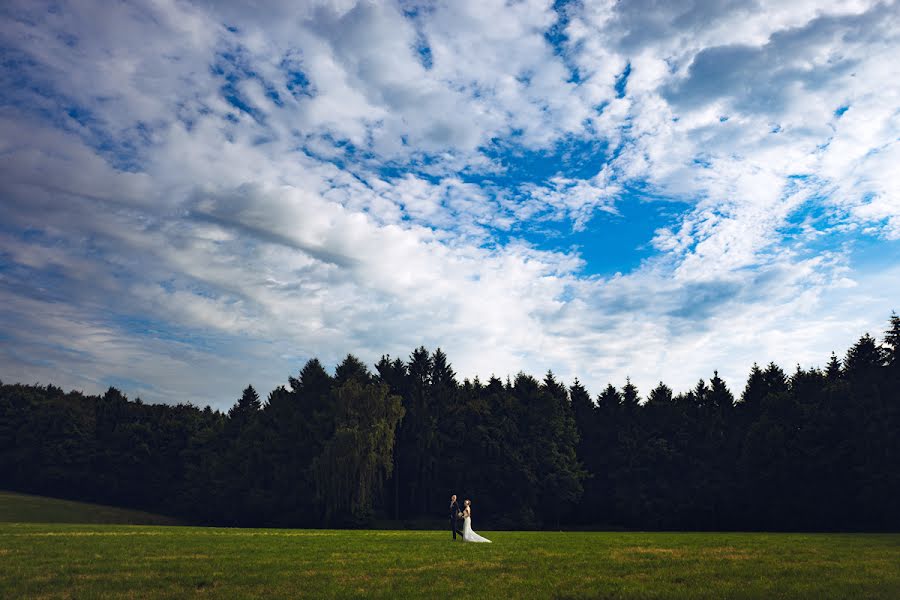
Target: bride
point(468, 534)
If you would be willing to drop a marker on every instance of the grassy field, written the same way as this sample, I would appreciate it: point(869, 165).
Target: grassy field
point(25, 508)
point(114, 561)
point(44, 553)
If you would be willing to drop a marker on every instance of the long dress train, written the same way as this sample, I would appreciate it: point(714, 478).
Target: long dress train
point(469, 535)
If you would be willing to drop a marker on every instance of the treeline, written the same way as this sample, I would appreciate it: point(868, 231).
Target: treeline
point(811, 450)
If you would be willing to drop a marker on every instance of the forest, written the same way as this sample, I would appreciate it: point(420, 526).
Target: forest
point(812, 449)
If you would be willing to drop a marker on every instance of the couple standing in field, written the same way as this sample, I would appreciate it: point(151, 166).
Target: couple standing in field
point(465, 516)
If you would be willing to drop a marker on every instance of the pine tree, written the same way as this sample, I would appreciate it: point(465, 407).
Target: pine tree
point(311, 394)
point(442, 375)
point(242, 470)
point(352, 369)
point(775, 379)
point(630, 397)
point(444, 409)
point(583, 409)
point(864, 360)
point(660, 395)
point(610, 400)
point(314, 382)
point(891, 422)
point(701, 394)
point(720, 397)
point(892, 346)
point(246, 409)
point(392, 373)
point(419, 438)
point(754, 390)
point(833, 371)
point(419, 369)
point(551, 436)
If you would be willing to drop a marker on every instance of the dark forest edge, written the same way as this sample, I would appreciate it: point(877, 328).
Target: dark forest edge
point(813, 450)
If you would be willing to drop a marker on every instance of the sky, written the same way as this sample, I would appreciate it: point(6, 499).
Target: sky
point(197, 196)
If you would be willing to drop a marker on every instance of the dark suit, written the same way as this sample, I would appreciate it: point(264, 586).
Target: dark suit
point(454, 519)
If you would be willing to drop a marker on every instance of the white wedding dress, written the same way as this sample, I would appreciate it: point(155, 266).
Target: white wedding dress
point(469, 535)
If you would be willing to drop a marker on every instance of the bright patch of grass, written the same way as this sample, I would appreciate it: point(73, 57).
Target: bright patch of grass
point(60, 561)
point(25, 508)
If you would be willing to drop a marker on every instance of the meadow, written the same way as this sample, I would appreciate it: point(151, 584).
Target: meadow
point(27, 508)
point(60, 560)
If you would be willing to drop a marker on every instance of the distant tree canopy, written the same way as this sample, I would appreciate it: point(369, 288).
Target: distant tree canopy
point(812, 450)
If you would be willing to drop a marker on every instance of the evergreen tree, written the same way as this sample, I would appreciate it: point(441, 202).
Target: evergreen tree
point(661, 395)
point(720, 397)
point(499, 446)
point(775, 379)
point(442, 375)
point(700, 396)
point(419, 437)
point(609, 401)
point(549, 435)
point(242, 469)
point(754, 391)
point(606, 455)
point(890, 421)
point(583, 410)
point(630, 397)
point(314, 382)
point(892, 346)
point(585, 414)
point(311, 394)
point(834, 371)
point(246, 409)
point(352, 369)
point(864, 360)
point(392, 373)
point(869, 416)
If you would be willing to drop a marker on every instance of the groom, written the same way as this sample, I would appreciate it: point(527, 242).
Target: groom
point(454, 517)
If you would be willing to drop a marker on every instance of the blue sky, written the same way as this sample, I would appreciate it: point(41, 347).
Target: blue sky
point(197, 196)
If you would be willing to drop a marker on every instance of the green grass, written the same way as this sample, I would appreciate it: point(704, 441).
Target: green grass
point(44, 553)
point(114, 561)
point(24, 508)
